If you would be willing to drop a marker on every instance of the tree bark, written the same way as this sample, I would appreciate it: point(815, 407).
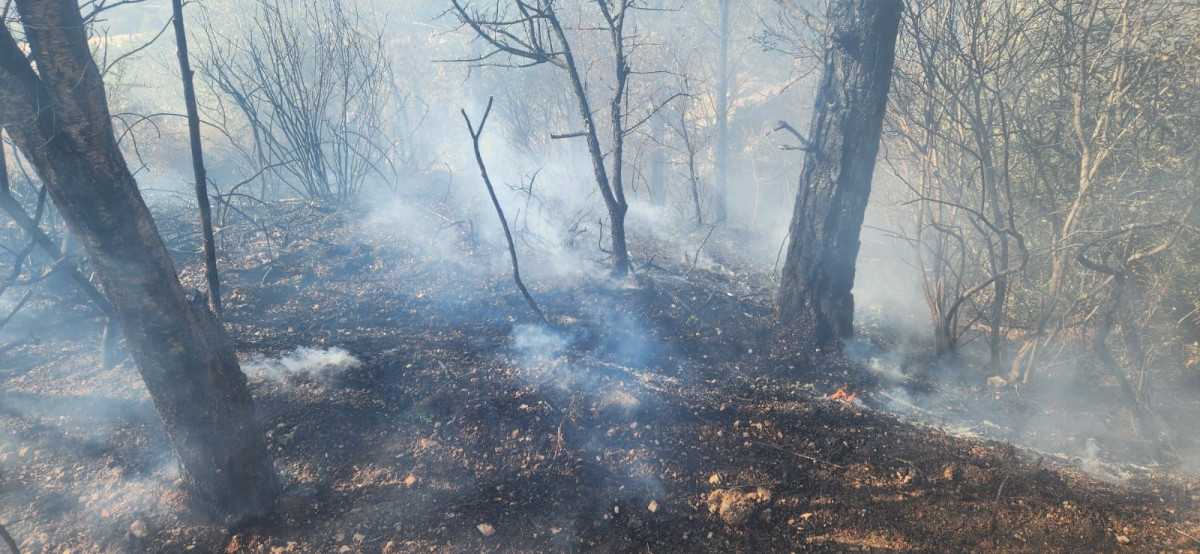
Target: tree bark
point(193, 119)
point(818, 275)
point(59, 119)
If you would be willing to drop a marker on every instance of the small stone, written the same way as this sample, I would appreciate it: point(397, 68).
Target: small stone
point(653, 507)
point(410, 480)
point(715, 479)
point(1122, 539)
point(486, 529)
point(139, 529)
point(359, 537)
point(344, 549)
point(996, 382)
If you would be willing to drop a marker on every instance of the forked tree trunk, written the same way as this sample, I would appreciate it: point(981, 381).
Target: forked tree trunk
point(59, 119)
point(818, 275)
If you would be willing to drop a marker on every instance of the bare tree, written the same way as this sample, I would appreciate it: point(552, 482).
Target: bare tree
point(311, 82)
point(953, 113)
point(531, 33)
point(58, 117)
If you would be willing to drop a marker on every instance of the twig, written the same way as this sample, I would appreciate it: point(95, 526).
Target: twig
point(794, 453)
point(20, 305)
point(1188, 535)
point(512, 248)
point(805, 144)
point(696, 258)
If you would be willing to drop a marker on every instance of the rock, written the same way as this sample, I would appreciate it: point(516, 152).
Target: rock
point(715, 479)
point(486, 529)
point(653, 507)
point(1122, 539)
point(139, 529)
point(410, 480)
point(389, 548)
point(996, 382)
point(735, 507)
point(620, 404)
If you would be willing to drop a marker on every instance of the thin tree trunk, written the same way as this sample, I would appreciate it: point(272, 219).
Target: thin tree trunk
point(818, 275)
point(658, 163)
point(720, 195)
point(193, 118)
point(487, 181)
point(611, 191)
point(59, 119)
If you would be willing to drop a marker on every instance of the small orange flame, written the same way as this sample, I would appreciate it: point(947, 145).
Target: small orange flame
point(842, 395)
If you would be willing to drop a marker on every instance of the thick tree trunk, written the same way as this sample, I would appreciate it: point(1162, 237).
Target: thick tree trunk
point(59, 119)
point(818, 275)
point(193, 119)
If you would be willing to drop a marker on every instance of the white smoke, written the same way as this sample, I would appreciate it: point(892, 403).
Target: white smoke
point(308, 364)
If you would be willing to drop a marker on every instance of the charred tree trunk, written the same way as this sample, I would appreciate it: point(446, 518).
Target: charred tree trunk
point(612, 190)
point(818, 275)
point(59, 119)
point(193, 118)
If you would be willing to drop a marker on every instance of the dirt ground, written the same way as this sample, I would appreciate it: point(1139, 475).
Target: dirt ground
point(663, 414)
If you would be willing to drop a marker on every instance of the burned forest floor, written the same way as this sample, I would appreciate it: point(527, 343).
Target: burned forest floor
point(417, 405)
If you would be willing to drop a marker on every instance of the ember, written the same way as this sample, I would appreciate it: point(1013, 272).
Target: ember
point(842, 395)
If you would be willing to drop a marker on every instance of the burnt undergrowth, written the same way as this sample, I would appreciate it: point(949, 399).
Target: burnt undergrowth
point(660, 413)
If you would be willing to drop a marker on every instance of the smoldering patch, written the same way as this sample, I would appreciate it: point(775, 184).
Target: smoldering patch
point(319, 365)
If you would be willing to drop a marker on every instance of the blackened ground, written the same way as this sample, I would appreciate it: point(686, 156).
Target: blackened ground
point(673, 419)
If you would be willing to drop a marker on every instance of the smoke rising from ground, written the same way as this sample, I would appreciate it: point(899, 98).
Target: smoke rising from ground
point(323, 365)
